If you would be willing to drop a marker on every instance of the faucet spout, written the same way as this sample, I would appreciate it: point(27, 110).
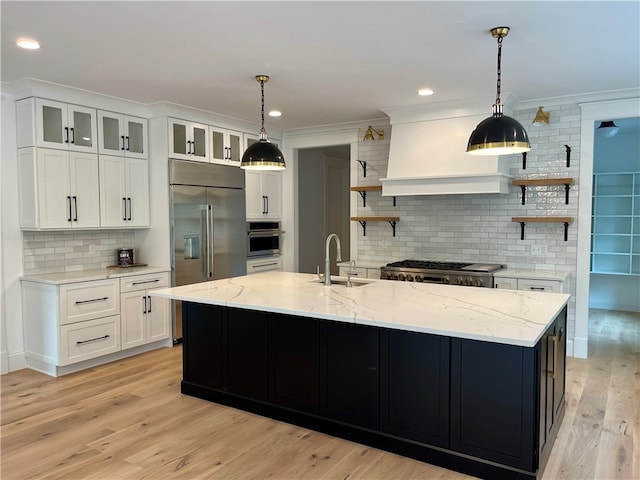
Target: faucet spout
point(327, 262)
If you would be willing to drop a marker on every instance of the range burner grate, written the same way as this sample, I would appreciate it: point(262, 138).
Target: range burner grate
point(429, 265)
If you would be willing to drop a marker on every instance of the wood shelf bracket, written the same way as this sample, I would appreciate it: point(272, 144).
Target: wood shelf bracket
point(568, 149)
point(363, 164)
point(524, 160)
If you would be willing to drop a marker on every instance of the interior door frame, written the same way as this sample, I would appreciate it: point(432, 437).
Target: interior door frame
point(591, 113)
point(290, 213)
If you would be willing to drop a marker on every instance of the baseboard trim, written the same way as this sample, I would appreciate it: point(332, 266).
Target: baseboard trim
point(16, 361)
point(580, 347)
point(623, 307)
point(4, 363)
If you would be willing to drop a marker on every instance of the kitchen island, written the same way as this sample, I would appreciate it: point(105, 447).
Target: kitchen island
point(471, 379)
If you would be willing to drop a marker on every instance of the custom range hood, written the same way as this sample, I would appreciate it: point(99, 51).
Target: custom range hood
point(427, 154)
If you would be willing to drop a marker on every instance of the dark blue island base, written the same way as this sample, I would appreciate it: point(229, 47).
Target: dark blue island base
point(485, 409)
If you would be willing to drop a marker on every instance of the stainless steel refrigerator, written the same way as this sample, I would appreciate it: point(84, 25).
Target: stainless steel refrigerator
point(208, 225)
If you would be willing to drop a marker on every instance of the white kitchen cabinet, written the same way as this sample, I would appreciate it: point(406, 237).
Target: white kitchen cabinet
point(124, 191)
point(57, 125)
point(264, 264)
point(188, 140)
point(264, 194)
point(58, 189)
point(531, 281)
point(145, 319)
point(361, 272)
point(226, 146)
point(70, 323)
point(122, 135)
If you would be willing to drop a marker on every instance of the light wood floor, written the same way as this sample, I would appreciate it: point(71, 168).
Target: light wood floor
point(129, 420)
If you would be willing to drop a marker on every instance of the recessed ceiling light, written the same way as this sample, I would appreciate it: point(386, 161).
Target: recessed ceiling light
point(275, 113)
point(28, 43)
point(425, 92)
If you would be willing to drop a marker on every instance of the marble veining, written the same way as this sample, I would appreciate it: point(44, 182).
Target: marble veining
point(514, 317)
point(62, 278)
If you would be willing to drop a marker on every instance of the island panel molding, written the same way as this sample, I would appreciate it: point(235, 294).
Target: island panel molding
point(364, 384)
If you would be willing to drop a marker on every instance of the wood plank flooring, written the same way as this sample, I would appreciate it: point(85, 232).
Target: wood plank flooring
point(128, 420)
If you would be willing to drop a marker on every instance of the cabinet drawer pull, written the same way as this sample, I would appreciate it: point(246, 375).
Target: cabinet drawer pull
point(75, 205)
point(146, 281)
point(124, 203)
point(537, 288)
point(149, 297)
point(122, 139)
point(264, 265)
point(73, 135)
point(97, 339)
point(94, 300)
point(66, 134)
point(144, 303)
point(69, 203)
point(127, 138)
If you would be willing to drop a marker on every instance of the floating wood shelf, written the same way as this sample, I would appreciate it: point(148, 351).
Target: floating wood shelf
point(523, 220)
point(523, 184)
point(369, 188)
point(363, 221)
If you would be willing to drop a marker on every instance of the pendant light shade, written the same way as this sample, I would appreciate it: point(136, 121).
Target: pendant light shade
point(262, 155)
point(498, 134)
point(607, 129)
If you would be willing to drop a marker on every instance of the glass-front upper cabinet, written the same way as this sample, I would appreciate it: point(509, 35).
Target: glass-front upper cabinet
point(122, 135)
point(65, 126)
point(226, 146)
point(188, 140)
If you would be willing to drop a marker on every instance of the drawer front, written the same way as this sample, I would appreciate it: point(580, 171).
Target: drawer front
point(505, 283)
point(144, 282)
point(373, 273)
point(90, 339)
point(264, 265)
point(355, 272)
point(89, 300)
point(539, 285)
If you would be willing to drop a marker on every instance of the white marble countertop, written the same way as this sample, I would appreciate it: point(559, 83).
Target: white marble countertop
point(88, 275)
point(503, 316)
point(530, 274)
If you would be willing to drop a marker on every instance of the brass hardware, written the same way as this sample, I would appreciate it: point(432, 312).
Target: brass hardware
point(499, 32)
point(554, 339)
point(262, 78)
point(541, 117)
point(369, 134)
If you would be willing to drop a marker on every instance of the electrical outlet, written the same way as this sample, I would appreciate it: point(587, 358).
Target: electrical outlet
point(92, 249)
point(539, 250)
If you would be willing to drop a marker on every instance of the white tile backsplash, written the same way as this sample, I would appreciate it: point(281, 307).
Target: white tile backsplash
point(66, 251)
point(479, 227)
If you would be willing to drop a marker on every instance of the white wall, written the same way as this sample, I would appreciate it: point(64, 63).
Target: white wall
point(13, 358)
point(312, 222)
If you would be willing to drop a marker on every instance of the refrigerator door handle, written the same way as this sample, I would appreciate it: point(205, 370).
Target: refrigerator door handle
point(210, 238)
point(204, 244)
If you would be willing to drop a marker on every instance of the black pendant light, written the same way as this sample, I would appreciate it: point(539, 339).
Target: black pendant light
point(607, 129)
point(498, 134)
point(262, 155)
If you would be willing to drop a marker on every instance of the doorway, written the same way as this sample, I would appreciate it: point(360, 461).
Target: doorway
point(615, 248)
point(323, 205)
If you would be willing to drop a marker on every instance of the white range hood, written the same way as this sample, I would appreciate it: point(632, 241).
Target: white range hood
point(427, 155)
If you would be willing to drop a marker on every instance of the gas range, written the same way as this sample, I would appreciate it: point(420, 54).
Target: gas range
point(452, 273)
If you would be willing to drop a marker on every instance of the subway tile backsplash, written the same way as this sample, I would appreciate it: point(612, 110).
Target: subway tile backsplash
point(479, 227)
point(67, 251)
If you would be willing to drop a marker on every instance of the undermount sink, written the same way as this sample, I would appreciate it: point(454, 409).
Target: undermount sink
point(355, 282)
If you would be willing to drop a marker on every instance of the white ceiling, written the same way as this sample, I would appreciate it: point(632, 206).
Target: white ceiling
point(330, 62)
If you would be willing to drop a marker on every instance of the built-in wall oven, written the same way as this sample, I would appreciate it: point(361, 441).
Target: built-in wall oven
point(263, 238)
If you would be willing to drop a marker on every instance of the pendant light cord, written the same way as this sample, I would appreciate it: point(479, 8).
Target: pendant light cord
point(499, 70)
point(262, 130)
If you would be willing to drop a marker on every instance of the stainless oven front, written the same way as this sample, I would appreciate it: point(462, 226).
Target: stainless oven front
point(263, 238)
